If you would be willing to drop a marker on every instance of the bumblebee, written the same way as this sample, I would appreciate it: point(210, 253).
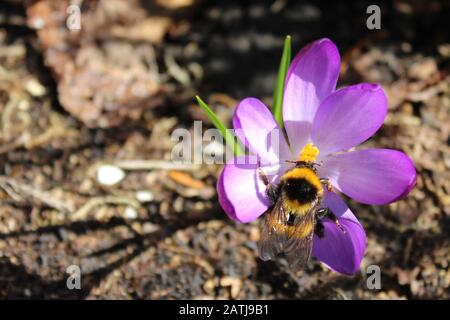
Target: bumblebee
point(296, 213)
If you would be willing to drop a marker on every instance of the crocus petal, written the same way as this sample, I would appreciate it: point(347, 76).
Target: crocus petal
point(240, 191)
point(348, 117)
point(311, 77)
point(341, 252)
point(256, 127)
point(371, 176)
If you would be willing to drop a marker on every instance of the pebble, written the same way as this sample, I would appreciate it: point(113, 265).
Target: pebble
point(35, 88)
point(109, 175)
point(130, 213)
point(144, 196)
point(234, 283)
point(423, 69)
point(149, 227)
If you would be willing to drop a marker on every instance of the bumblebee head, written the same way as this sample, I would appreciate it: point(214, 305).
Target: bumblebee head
point(305, 164)
point(307, 158)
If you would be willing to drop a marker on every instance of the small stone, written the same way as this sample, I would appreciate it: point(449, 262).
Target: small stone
point(37, 23)
point(149, 227)
point(27, 292)
point(130, 213)
point(444, 50)
point(109, 175)
point(423, 69)
point(209, 286)
point(234, 283)
point(144, 196)
point(35, 88)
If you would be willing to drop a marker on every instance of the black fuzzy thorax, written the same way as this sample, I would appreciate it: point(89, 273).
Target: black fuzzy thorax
point(299, 189)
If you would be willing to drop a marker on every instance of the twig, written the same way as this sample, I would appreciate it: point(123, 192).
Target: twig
point(153, 164)
point(175, 70)
point(19, 192)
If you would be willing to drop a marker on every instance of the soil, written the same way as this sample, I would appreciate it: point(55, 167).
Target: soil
point(111, 93)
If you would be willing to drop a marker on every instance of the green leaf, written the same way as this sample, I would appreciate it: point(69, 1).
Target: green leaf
point(281, 79)
point(230, 139)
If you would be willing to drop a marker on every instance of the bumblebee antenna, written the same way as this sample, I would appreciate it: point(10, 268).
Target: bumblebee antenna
point(304, 163)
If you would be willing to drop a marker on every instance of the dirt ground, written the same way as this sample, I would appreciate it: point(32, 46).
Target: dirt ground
point(73, 102)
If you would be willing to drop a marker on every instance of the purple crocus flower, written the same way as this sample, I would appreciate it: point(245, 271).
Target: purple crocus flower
point(333, 121)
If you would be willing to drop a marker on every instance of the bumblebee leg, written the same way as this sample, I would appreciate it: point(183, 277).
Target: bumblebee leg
point(271, 190)
point(319, 229)
point(327, 183)
point(327, 213)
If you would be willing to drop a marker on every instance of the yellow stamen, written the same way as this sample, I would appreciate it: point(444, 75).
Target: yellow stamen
point(309, 153)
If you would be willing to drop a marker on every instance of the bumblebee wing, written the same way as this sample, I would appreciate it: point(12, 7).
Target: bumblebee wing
point(272, 233)
point(298, 246)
